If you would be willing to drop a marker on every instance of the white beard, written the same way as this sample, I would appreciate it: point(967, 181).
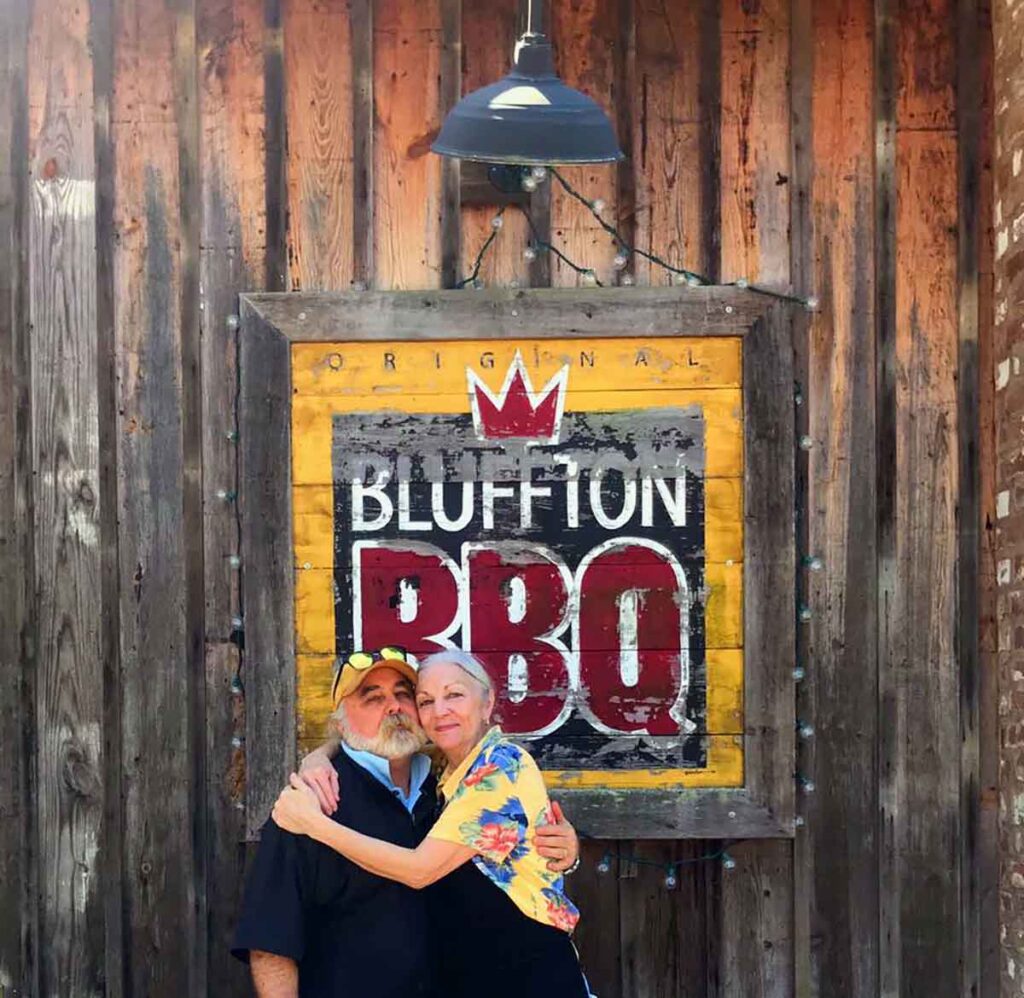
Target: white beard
point(396, 738)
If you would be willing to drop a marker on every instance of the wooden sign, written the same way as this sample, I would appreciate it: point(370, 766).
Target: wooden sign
point(570, 508)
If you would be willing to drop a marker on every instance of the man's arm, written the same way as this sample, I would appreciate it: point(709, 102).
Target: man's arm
point(274, 976)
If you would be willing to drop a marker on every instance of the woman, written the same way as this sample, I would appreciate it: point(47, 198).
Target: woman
point(504, 916)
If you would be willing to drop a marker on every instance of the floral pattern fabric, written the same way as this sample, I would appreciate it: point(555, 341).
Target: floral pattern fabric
point(495, 799)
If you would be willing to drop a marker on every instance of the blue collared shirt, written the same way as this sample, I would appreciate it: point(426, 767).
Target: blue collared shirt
point(380, 769)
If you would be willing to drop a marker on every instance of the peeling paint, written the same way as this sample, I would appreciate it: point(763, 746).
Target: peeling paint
point(1002, 374)
point(1003, 504)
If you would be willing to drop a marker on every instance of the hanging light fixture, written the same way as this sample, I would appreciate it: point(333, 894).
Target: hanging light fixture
point(530, 117)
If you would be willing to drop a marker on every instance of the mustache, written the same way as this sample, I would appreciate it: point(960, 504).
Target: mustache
point(395, 722)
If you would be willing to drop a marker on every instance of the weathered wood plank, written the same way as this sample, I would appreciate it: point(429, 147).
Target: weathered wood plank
point(838, 850)
point(754, 212)
point(596, 894)
point(320, 170)
point(267, 575)
point(587, 39)
point(232, 257)
point(488, 35)
point(407, 187)
point(555, 312)
point(663, 929)
point(973, 589)
point(156, 319)
point(18, 907)
point(674, 136)
point(361, 41)
point(754, 945)
point(755, 137)
point(922, 872)
point(988, 637)
point(62, 313)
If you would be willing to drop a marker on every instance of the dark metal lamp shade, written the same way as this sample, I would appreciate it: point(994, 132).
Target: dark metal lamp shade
point(529, 118)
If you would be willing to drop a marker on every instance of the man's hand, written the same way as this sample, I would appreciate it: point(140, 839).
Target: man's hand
point(274, 976)
point(297, 809)
point(558, 842)
point(319, 774)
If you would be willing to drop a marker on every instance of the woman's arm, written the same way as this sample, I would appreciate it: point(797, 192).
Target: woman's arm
point(297, 811)
point(319, 774)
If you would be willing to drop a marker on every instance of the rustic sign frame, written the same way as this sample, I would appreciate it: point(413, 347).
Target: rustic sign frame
point(272, 322)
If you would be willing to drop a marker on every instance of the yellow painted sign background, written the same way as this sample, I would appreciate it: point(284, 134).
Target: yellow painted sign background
point(604, 375)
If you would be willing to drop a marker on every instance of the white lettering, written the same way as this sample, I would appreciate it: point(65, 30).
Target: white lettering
point(441, 517)
point(405, 520)
point(628, 504)
point(492, 491)
point(361, 492)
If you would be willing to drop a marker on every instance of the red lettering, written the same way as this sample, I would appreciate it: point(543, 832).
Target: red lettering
point(517, 603)
point(405, 593)
point(632, 601)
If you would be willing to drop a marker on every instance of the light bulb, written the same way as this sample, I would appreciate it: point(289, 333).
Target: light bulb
point(805, 730)
point(627, 280)
point(806, 442)
point(497, 222)
point(742, 282)
point(805, 614)
point(679, 279)
point(620, 260)
point(589, 278)
point(232, 322)
point(728, 863)
point(692, 281)
point(604, 865)
point(539, 173)
point(529, 254)
point(798, 674)
point(811, 303)
point(598, 205)
point(529, 183)
point(671, 881)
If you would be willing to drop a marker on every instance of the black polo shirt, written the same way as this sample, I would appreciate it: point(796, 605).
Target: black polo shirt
point(353, 934)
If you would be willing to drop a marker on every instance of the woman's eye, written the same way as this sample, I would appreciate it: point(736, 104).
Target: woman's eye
point(424, 703)
point(454, 695)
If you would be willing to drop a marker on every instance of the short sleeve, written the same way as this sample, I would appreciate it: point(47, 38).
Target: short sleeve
point(488, 811)
point(271, 918)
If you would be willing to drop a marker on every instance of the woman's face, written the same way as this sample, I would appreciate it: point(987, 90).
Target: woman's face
point(454, 708)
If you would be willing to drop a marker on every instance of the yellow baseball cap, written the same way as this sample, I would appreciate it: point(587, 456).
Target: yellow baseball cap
point(360, 664)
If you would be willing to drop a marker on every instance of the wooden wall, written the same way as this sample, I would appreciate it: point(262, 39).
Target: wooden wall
point(163, 155)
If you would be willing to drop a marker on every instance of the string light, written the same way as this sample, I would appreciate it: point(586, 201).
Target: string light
point(604, 864)
point(234, 561)
point(227, 495)
point(474, 277)
point(805, 730)
point(798, 674)
point(671, 880)
point(232, 322)
point(806, 785)
point(805, 614)
point(728, 863)
point(529, 181)
point(813, 562)
point(806, 442)
point(627, 280)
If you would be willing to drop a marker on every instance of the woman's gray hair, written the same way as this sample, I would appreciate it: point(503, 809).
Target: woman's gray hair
point(465, 660)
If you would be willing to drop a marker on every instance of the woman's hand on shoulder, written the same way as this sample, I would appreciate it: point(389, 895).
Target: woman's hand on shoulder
point(297, 808)
point(318, 773)
point(557, 842)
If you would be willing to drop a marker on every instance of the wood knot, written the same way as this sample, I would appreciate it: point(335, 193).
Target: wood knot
point(50, 169)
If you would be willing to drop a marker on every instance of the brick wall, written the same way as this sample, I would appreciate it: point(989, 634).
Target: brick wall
point(1008, 360)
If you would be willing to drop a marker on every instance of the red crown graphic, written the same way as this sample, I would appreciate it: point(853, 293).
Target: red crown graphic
point(518, 412)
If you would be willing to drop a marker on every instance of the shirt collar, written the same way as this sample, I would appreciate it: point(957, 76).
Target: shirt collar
point(451, 778)
point(380, 769)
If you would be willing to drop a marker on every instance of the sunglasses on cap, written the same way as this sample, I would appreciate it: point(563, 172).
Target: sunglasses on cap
point(360, 661)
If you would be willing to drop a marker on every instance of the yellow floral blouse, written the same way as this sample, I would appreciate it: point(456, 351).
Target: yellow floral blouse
point(493, 801)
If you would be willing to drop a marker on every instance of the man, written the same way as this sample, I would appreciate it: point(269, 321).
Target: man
point(313, 923)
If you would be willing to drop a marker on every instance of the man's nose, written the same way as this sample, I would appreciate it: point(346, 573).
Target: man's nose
point(394, 707)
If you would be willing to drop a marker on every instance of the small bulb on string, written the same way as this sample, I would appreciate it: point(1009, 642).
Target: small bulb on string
point(529, 183)
point(692, 281)
point(620, 260)
point(237, 623)
point(598, 205)
point(742, 282)
point(529, 254)
point(539, 173)
point(604, 864)
point(589, 278)
point(806, 442)
point(805, 730)
point(477, 284)
point(671, 880)
point(497, 222)
point(806, 785)
point(232, 435)
point(799, 821)
point(728, 863)
point(811, 304)
point(236, 685)
point(813, 562)
point(227, 495)
point(234, 561)
point(627, 280)
point(798, 674)
point(805, 614)
point(679, 279)
point(236, 741)
point(232, 322)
